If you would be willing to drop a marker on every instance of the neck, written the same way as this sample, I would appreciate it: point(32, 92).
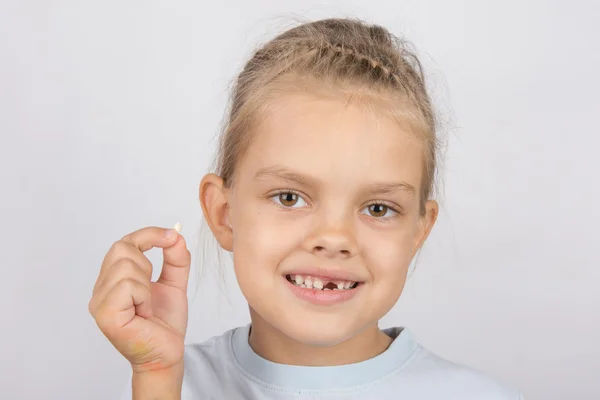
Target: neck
point(273, 345)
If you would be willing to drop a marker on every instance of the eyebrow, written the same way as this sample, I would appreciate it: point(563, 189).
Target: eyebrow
point(280, 173)
point(391, 188)
point(283, 174)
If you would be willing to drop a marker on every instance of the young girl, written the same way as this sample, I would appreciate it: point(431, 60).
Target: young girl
point(323, 195)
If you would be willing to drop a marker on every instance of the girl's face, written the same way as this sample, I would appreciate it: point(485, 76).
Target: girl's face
point(326, 194)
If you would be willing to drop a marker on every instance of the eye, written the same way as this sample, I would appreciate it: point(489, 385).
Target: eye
point(379, 210)
point(289, 200)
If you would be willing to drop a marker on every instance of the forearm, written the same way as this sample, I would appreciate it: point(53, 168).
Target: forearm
point(158, 385)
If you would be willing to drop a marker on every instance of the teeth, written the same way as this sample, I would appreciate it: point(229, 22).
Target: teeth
point(315, 283)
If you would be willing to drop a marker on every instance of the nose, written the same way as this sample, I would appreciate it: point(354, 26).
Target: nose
point(333, 240)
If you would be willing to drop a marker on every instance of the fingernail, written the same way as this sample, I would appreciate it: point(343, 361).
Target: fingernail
point(170, 233)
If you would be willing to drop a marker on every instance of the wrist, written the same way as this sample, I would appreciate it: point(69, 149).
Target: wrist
point(163, 384)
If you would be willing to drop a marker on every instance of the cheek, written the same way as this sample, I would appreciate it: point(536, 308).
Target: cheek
point(388, 261)
point(260, 241)
point(387, 256)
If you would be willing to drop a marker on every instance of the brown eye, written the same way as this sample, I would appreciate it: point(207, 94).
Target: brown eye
point(378, 210)
point(288, 199)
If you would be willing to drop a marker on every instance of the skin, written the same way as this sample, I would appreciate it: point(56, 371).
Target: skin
point(146, 321)
point(335, 157)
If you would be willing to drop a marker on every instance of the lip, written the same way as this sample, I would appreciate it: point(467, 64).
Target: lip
point(322, 297)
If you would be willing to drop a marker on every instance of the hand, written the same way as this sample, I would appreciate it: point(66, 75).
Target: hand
point(146, 321)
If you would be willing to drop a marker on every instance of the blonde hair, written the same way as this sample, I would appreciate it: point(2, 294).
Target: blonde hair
point(342, 53)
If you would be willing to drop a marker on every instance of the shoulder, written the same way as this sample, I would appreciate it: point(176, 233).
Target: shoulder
point(209, 367)
point(454, 380)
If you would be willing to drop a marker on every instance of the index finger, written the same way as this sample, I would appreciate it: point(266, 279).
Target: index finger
point(141, 240)
point(150, 237)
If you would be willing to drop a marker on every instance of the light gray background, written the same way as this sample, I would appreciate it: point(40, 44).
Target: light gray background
point(107, 114)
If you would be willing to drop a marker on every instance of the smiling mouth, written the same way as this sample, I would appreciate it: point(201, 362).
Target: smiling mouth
point(310, 282)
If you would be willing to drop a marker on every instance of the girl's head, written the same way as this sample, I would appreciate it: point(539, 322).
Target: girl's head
point(325, 173)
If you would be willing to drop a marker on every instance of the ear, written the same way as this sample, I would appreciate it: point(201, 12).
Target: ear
point(214, 204)
point(426, 223)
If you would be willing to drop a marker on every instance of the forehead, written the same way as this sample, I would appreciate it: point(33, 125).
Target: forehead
point(335, 140)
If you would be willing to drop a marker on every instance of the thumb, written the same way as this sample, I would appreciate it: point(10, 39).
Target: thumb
point(176, 265)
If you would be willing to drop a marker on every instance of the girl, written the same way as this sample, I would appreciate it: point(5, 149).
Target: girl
point(323, 195)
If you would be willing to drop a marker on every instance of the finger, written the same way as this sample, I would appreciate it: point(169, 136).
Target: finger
point(126, 300)
point(149, 237)
point(124, 268)
point(176, 265)
point(122, 250)
point(138, 242)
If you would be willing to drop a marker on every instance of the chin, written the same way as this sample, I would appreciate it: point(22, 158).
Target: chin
point(316, 318)
point(317, 330)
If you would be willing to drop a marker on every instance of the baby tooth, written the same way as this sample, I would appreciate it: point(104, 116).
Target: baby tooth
point(340, 285)
point(317, 284)
point(308, 283)
point(299, 279)
point(347, 285)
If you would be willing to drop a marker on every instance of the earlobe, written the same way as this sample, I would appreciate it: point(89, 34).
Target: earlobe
point(215, 208)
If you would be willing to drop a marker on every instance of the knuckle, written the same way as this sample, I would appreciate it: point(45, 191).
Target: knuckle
point(126, 268)
point(127, 237)
point(103, 319)
point(92, 306)
point(130, 285)
point(127, 284)
point(126, 264)
point(119, 247)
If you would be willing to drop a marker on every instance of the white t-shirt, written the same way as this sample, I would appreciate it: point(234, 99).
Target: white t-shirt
point(226, 368)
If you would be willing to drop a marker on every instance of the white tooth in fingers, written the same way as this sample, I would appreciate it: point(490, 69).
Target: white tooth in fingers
point(299, 279)
point(317, 284)
point(347, 285)
point(340, 285)
point(308, 282)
